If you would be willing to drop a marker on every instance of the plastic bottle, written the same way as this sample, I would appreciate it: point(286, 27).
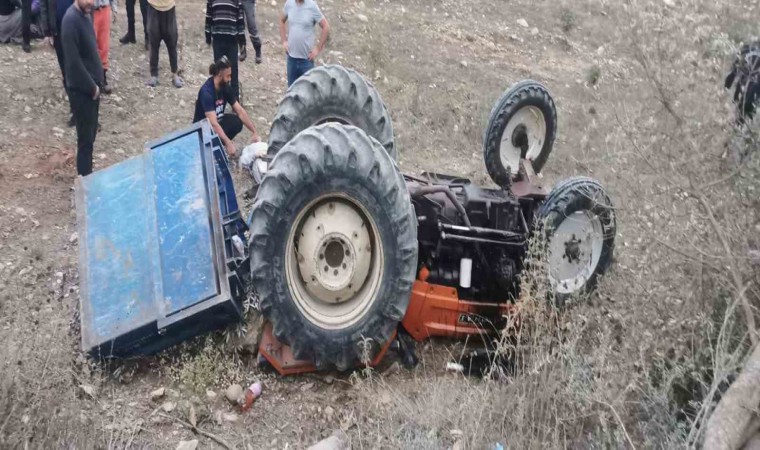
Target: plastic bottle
point(251, 394)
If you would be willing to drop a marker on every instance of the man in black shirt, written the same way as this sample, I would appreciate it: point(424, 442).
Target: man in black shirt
point(213, 97)
point(84, 77)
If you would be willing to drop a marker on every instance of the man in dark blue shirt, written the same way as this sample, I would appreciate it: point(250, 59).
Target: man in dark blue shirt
point(213, 97)
point(84, 77)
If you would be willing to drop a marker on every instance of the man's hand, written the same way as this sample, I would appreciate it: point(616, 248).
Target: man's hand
point(285, 47)
point(96, 94)
point(256, 138)
point(313, 54)
point(231, 150)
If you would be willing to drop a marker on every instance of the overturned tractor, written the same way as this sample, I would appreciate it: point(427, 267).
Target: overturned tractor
point(344, 248)
point(343, 251)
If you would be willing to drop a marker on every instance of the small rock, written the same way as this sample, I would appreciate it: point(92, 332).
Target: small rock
point(188, 445)
point(393, 368)
point(534, 31)
point(329, 413)
point(234, 393)
point(168, 406)
point(210, 396)
point(88, 390)
point(522, 22)
point(157, 394)
point(57, 130)
point(328, 379)
point(101, 155)
point(307, 387)
point(74, 237)
point(27, 109)
point(464, 64)
point(274, 3)
point(230, 417)
point(182, 103)
point(338, 441)
point(362, 18)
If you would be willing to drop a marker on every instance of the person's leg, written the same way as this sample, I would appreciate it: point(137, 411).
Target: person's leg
point(101, 21)
point(249, 7)
point(26, 24)
point(86, 115)
point(144, 14)
point(154, 36)
point(231, 124)
point(171, 36)
point(291, 70)
point(129, 38)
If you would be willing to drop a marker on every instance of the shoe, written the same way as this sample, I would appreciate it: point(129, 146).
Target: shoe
point(26, 47)
point(152, 82)
point(177, 81)
point(106, 87)
point(258, 59)
point(243, 54)
point(72, 121)
point(257, 48)
point(128, 38)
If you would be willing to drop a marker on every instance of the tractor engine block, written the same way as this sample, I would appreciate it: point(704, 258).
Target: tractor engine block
point(470, 237)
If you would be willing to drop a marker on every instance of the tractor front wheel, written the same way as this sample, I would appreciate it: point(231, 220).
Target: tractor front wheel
point(334, 246)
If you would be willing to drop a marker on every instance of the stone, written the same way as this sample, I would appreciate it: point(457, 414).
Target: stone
point(74, 237)
point(337, 441)
point(534, 31)
point(234, 393)
point(362, 18)
point(211, 396)
point(168, 407)
point(157, 394)
point(522, 22)
point(188, 445)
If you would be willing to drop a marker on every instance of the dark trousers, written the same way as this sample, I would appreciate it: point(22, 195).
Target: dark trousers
point(162, 26)
point(131, 16)
point(297, 67)
point(86, 115)
point(26, 21)
point(231, 124)
point(249, 7)
point(226, 45)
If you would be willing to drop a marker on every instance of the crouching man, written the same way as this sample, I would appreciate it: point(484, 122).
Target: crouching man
point(213, 97)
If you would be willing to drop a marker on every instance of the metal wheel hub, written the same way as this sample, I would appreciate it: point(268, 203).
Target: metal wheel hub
point(523, 137)
point(574, 251)
point(334, 262)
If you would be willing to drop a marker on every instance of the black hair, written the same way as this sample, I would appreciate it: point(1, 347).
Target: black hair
point(220, 64)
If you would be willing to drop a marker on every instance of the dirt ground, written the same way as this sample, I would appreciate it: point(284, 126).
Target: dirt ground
point(439, 67)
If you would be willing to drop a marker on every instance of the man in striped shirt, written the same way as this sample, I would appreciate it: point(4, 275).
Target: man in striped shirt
point(225, 30)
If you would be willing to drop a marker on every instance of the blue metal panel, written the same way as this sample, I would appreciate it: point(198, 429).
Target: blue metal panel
point(117, 241)
point(184, 226)
point(155, 264)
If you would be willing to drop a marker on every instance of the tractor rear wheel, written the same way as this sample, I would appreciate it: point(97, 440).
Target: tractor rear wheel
point(332, 93)
point(578, 223)
point(334, 246)
point(522, 125)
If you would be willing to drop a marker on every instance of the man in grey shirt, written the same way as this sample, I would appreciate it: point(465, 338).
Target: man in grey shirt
point(301, 16)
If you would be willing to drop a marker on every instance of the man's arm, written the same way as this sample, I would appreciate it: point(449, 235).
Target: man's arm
point(238, 109)
point(322, 39)
point(228, 144)
point(283, 31)
point(75, 68)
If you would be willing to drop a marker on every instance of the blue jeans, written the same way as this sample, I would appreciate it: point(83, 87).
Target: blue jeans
point(297, 67)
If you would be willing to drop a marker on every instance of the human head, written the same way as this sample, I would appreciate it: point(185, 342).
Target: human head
point(85, 5)
point(221, 70)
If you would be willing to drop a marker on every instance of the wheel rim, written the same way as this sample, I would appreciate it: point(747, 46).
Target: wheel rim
point(574, 251)
point(523, 137)
point(334, 261)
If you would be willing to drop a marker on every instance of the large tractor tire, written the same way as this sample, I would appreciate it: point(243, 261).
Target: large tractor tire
point(333, 246)
point(522, 125)
point(578, 222)
point(332, 93)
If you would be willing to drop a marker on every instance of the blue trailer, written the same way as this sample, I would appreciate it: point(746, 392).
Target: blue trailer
point(162, 247)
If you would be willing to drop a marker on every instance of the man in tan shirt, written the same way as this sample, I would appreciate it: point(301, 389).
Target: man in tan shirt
point(162, 26)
